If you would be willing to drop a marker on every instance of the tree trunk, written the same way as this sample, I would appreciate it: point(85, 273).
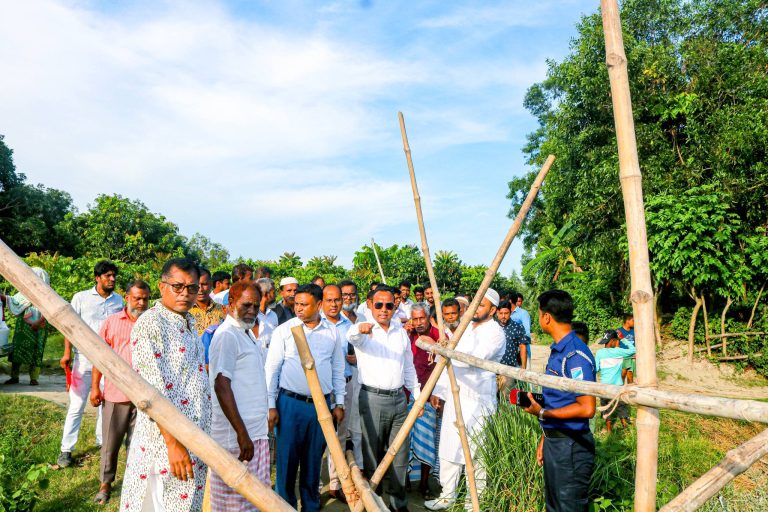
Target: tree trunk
point(754, 308)
point(692, 326)
point(706, 325)
point(722, 324)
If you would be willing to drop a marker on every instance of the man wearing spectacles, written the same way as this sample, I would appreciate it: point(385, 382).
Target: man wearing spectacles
point(162, 474)
point(385, 364)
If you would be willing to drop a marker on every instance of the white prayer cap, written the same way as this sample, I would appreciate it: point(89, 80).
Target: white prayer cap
point(493, 296)
point(288, 280)
point(463, 300)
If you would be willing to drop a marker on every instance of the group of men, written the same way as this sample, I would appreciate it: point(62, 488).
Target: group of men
point(221, 350)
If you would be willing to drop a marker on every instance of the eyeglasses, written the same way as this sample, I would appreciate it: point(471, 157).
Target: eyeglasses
point(349, 295)
point(389, 305)
point(179, 287)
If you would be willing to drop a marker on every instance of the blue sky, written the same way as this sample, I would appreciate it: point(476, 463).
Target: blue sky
point(272, 127)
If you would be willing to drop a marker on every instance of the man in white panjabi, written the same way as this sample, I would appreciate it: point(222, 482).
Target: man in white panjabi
point(161, 475)
point(484, 338)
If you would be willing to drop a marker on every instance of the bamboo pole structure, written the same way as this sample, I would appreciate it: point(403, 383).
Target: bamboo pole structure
point(642, 290)
point(418, 406)
point(371, 500)
point(324, 417)
point(469, 465)
point(735, 462)
point(147, 399)
point(378, 261)
point(749, 410)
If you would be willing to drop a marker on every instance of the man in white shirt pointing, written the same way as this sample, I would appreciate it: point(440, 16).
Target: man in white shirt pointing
point(385, 365)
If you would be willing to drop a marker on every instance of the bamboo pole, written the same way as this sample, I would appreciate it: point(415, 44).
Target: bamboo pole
point(735, 334)
point(642, 290)
point(469, 465)
point(749, 410)
point(418, 406)
point(324, 417)
point(378, 262)
point(371, 500)
point(147, 399)
point(735, 462)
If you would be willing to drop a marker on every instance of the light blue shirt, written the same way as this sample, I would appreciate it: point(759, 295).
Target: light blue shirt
point(609, 361)
point(342, 326)
point(522, 316)
point(94, 309)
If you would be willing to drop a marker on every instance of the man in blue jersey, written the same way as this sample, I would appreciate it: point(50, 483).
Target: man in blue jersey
point(609, 361)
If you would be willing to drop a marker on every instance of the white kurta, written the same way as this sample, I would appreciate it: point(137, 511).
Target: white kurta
point(477, 388)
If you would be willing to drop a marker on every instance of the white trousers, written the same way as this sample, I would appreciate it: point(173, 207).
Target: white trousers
point(450, 472)
point(344, 433)
point(79, 393)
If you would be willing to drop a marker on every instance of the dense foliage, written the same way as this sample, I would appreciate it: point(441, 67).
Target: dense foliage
point(700, 97)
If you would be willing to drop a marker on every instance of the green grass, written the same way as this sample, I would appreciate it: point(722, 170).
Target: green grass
point(30, 433)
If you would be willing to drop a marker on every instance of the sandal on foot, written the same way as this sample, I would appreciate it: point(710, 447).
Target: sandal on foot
point(12, 380)
point(101, 498)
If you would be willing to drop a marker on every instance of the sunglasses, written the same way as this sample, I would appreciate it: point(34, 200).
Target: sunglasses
point(389, 305)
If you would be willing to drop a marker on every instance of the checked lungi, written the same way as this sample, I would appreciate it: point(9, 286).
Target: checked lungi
point(424, 439)
point(226, 499)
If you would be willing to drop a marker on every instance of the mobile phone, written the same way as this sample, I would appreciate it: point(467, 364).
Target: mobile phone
point(520, 398)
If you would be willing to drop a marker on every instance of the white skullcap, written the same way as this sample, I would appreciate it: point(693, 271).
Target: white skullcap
point(463, 300)
point(288, 280)
point(493, 296)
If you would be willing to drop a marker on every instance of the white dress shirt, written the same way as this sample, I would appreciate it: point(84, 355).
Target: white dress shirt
point(267, 325)
point(384, 358)
point(236, 355)
point(284, 369)
point(343, 325)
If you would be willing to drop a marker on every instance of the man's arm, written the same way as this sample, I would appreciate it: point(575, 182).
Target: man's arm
point(358, 333)
point(223, 387)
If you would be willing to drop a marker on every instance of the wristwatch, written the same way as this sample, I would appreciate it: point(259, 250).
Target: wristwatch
point(541, 413)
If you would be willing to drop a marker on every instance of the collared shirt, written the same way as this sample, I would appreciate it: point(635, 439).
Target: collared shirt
point(116, 331)
point(421, 358)
point(206, 339)
point(284, 369)
point(236, 354)
point(364, 312)
point(401, 315)
point(204, 318)
point(219, 297)
point(608, 361)
point(406, 307)
point(514, 333)
point(485, 341)
point(94, 309)
point(343, 325)
point(572, 359)
point(522, 316)
point(384, 358)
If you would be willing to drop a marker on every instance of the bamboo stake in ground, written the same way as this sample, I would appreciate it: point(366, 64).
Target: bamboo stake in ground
point(642, 291)
point(147, 399)
point(469, 466)
point(418, 406)
point(734, 463)
point(325, 418)
point(378, 261)
point(371, 500)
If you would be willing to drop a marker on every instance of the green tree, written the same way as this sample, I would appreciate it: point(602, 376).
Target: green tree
point(122, 229)
point(448, 271)
point(210, 254)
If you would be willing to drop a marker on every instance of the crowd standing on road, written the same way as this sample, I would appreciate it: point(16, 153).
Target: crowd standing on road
point(220, 348)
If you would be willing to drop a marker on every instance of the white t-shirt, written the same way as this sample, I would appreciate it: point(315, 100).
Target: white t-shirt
point(237, 355)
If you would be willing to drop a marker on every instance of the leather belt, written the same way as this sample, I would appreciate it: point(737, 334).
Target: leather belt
point(300, 398)
point(386, 392)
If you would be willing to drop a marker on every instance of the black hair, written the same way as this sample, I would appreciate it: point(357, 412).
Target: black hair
point(558, 303)
point(628, 316)
point(220, 276)
point(375, 285)
point(262, 271)
point(581, 330)
point(418, 289)
point(240, 270)
point(447, 303)
point(184, 264)
point(316, 278)
point(137, 283)
point(405, 283)
point(384, 288)
point(347, 282)
point(505, 304)
point(312, 289)
point(370, 294)
point(520, 296)
point(103, 267)
point(204, 272)
point(428, 286)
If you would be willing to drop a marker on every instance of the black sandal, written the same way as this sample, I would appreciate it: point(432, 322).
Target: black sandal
point(101, 498)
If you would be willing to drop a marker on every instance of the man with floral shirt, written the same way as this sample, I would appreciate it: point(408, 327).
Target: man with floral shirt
point(161, 474)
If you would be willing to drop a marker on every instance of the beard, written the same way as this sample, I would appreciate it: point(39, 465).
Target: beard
point(135, 313)
point(246, 326)
point(349, 307)
point(482, 318)
point(452, 325)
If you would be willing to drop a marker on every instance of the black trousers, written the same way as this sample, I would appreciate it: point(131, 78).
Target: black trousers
point(568, 464)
